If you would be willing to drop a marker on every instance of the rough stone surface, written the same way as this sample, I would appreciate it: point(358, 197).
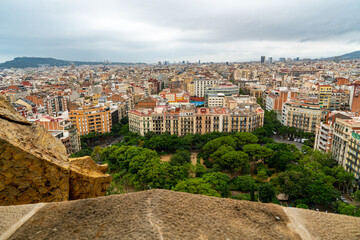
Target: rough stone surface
point(162, 214)
point(10, 215)
point(34, 166)
point(87, 179)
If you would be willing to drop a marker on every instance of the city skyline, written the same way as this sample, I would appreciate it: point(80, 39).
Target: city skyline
point(142, 31)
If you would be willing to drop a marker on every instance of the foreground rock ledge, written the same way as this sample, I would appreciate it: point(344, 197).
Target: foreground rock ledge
point(34, 166)
point(162, 214)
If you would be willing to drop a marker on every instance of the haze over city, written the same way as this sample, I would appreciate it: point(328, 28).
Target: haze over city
point(151, 31)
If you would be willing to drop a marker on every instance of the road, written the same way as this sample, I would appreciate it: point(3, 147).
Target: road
point(283, 140)
point(115, 140)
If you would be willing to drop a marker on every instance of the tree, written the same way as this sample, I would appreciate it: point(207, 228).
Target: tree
point(302, 205)
point(116, 129)
point(244, 138)
point(219, 182)
point(124, 120)
point(343, 179)
point(95, 155)
point(357, 195)
point(252, 193)
point(221, 151)
point(157, 174)
point(181, 157)
point(257, 152)
point(233, 161)
point(149, 135)
point(262, 175)
point(242, 183)
point(215, 144)
point(290, 184)
point(261, 134)
point(283, 155)
point(266, 192)
point(199, 170)
point(320, 192)
point(196, 186)
point(242, 196)
point(347, 209)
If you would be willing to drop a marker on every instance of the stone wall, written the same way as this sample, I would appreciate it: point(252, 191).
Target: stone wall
point(25, 178)
point(87, 179)
point(34, 166)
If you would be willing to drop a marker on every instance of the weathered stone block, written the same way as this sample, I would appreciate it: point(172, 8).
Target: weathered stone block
point(34, 166)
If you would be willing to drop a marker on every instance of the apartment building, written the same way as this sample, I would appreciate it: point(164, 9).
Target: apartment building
point(226, 89)
point(340, 100)
point(324, 132)
point(275, 99)
point(191, 89)
point(325, 92)
point(201, 84)
point(239, 100)
point(355, 97)
point(188, 119)
point(215, 100)
point(91, 119)
point(340, 135)
point(176, 95)
point(301, 114)
point(343, 129)
point(222, 89)
point(352, 161)
point(13, 95)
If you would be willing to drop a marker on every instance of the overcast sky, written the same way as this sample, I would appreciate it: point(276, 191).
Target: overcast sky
point(176, 30)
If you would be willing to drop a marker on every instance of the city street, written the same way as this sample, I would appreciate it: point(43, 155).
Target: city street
point(284, 140)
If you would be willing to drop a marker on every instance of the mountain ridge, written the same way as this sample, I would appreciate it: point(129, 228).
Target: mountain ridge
point(33, 62)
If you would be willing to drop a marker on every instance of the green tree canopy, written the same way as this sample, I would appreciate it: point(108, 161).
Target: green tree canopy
point(257, 152)
point(196, 186)
point(215, 144)
point(242, 183)
point(266, 192)
point(219, 182)
point(181, 157)
point(244, 138)
point(233, 161)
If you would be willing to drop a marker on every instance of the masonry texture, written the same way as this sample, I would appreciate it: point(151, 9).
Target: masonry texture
point(34, 166)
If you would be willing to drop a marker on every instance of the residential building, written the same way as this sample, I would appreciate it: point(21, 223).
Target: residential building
point(275, 99)
point(56, 105)
point(201, 84)
point(91, 119)
point(188, 119)
point(215, 100)
point(191, 89)
point(325, 92)
point(304, 115)
point(176, 95)
point(226, 89)
point(352, 161)
point(324, 133)
point(343, 129)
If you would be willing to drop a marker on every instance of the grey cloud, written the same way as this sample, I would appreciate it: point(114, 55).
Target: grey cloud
point(161, 29)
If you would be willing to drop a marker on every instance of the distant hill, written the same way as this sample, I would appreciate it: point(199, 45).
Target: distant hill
point(352, 55)
point(346, 56)
point(33, 62)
